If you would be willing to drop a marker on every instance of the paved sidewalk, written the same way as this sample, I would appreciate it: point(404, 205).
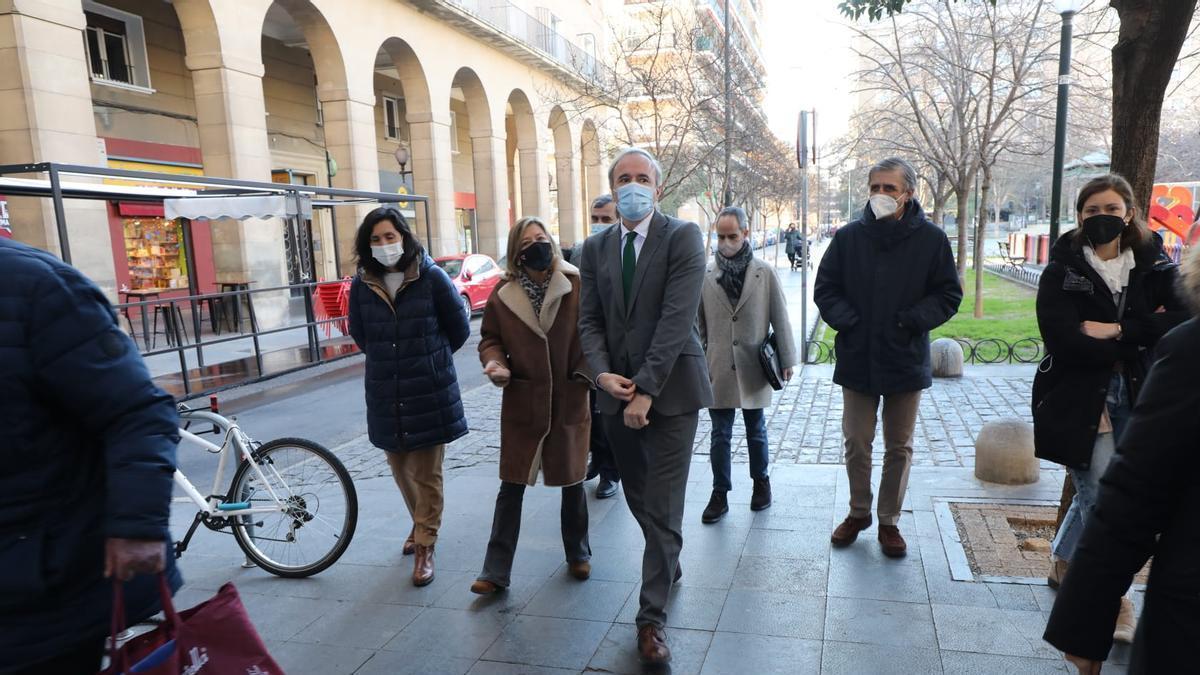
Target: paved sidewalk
point(761, 593)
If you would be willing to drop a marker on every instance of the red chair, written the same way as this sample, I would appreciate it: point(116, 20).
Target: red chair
point(333, 302)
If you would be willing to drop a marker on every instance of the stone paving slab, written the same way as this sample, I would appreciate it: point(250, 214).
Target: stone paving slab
point(761, 592)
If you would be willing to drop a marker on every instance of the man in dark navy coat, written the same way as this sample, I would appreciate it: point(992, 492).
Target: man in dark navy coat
point(886, 280)
point(87, 455)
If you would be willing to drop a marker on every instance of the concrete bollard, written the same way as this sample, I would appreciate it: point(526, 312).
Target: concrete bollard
point(1004, 453)
point(947, 358)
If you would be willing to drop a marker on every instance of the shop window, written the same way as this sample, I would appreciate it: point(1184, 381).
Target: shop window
point(391, 118)
point(154, 247)
point(116, 47)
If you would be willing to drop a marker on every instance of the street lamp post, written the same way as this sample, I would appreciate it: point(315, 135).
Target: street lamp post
point(728, 196)
point(1067, 8)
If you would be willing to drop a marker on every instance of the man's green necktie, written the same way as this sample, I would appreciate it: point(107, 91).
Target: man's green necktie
point(628, 265)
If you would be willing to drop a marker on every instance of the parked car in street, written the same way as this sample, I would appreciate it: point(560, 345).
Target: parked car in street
point(474, 276)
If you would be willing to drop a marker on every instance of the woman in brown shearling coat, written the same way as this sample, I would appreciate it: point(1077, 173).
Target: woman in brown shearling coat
point(530, 346)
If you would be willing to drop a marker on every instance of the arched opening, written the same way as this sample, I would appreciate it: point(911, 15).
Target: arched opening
point(405, 136)
point(565, 187)
point(522, 158)
point(302, 63)
point(480, 191)
point(591, 183)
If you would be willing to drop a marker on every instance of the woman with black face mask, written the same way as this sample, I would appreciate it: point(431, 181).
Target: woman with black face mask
point(1104, 300)
point(529, 345)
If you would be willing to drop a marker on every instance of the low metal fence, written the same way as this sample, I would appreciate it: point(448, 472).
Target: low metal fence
point(188, 333)
point(988, 351)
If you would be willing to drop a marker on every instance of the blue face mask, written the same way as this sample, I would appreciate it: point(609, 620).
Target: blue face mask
point(634, 202)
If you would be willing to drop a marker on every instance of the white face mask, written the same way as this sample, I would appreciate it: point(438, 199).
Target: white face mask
point(388, 254)
point(883, 206)
point(729, 249)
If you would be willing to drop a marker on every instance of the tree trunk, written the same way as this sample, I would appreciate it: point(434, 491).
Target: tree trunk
point(939, 200)
point(1151, 36)
point(963, 195)
point(981, 230)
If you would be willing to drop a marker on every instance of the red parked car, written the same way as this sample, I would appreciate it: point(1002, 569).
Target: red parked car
point(474, 276)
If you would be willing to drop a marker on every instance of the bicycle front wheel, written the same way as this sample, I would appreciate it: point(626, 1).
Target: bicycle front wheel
point(317, 507)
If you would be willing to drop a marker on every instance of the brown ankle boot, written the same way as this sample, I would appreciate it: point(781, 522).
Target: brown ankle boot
point(410, 544)
point(423, 565)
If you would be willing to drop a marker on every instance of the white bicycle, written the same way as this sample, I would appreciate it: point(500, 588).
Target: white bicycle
point(291, 505)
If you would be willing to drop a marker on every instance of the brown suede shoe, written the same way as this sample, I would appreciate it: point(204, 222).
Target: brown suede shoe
point(410, 544)
point(481, 587)
point(423, 566)
point(891, 542)
point(848, 530)
point(652, 645)
point(580, 569)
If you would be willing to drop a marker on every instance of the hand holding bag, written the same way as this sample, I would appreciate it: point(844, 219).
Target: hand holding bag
point(768, 356)
point(214, 637)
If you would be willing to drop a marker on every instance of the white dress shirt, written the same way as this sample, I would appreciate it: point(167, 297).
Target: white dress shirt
point(642, 229)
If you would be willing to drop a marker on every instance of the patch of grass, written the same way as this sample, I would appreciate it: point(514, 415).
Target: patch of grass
point(1009, 313)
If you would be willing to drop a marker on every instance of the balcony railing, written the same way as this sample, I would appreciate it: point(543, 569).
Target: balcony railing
point(528, 30)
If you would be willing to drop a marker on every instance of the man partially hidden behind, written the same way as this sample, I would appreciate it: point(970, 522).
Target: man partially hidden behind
point(87, 445)
point(604, 214)
point(637, 322)
point(886, 280)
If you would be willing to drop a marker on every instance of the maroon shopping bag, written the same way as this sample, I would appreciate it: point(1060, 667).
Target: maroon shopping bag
point(215, 637)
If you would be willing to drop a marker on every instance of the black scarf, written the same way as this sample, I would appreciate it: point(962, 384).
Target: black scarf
point(536, 291)
point(733, 271)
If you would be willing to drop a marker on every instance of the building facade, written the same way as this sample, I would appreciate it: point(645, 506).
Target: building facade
point(313, 91)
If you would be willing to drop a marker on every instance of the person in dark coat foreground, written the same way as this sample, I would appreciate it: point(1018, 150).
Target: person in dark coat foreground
point(87, 445)
point(1148, 505)
point(1103, 302)
point(885, 281)
point(407, 318)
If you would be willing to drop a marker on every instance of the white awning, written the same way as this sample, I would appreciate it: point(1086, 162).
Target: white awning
point(238, 208)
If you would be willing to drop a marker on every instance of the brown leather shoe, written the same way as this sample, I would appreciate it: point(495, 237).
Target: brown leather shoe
point(410, 544)
point(652, 645)
point(891, 542)
point(580, 569)
point(423, 565)
point(848, 530)
point(481, 587)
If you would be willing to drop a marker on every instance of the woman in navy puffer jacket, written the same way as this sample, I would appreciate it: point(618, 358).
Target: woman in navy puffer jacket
point(406, 317)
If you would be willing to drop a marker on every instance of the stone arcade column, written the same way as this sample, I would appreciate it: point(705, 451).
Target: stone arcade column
point(47, 117)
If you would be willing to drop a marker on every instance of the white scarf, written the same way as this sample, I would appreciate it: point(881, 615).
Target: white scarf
point(1115, 272)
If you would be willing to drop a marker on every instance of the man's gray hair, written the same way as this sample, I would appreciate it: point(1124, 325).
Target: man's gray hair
point(893, 164)
point(737, 212)
point(635, 151)
point(601, 201)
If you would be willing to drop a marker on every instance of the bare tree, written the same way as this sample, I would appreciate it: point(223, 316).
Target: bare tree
point(665, 94)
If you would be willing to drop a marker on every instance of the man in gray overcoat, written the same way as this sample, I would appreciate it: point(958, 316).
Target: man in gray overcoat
point(741, 303)
point(637, 322)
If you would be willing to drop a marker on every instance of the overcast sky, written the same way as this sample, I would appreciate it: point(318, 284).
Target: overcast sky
point(808, 66)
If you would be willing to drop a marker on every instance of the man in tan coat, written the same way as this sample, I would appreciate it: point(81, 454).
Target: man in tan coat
point(741, 304)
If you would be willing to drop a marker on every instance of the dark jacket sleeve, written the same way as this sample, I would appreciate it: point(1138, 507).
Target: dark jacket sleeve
point(451, 315)
point(357, 330)
point(1141, 492)
point(94, 374)
point(680, 307)
point(829, 291)
point(943, 294)
point(1146, 329)
point(592, 334)
point(1059, 324)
